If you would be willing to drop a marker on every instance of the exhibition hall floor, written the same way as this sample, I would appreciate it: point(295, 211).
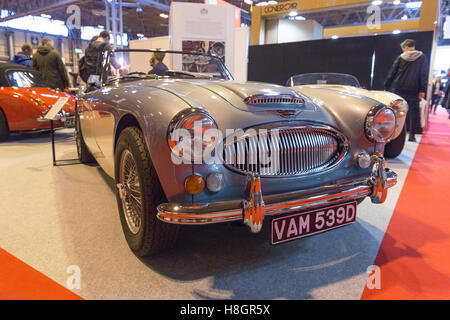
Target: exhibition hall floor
point(53, 218)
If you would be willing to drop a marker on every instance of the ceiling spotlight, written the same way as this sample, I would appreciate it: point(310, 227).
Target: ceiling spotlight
point(46, 16)
point(249, 2)
point(259, 4)
point(272, 2)
point(140, 35)
point(335, 37)
point(100, 26)
point(139, 9)
point(396, 31)
point(293, 14)
point(300, 18)
point(396, 2)
point(377, 2)
point(163, 15)
point(405, 17)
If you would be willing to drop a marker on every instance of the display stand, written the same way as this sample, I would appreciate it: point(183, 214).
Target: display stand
point(53, 115)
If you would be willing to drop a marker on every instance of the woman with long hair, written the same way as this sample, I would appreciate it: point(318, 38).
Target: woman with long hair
point(436, 97)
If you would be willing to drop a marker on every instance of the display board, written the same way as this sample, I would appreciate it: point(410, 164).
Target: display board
point(275, 63)
point(203, 28)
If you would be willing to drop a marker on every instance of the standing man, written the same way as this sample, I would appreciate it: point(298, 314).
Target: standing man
point(90, 64)
point(408, 78)
point(24, 57)
point(50, 65)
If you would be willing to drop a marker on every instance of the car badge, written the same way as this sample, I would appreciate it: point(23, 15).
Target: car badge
point(285, 113)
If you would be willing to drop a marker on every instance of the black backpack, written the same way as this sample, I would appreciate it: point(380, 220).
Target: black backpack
point(91, 61)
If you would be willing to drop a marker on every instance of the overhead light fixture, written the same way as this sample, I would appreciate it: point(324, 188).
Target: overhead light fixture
point(396, 2)
point(396, 31)
point(46, 16)
point(139, 9)
point(259, 4)
point(293, 14)
point(377, 2)
point(272, 2)
point(249, 2)
point(335, 37)
point(140, 35)
point(100, 26)
point(163, 15)
point(300, 18)
point(405, 17)
point(414, 5)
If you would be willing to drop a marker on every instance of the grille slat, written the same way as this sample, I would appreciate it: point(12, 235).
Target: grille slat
point(287, 151)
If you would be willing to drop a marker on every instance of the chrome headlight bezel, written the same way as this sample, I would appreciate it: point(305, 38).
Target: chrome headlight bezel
point(371, 122)
point(179, 122)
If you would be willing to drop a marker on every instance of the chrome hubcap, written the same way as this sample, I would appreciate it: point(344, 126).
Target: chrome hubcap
point(130, 192)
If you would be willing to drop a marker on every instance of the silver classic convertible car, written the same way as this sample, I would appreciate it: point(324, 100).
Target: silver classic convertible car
point(195, 147)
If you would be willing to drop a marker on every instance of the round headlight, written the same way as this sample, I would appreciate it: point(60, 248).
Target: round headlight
point(186, 134)
point(380, 123)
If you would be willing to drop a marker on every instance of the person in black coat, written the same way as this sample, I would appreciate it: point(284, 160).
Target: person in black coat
point(408, 78)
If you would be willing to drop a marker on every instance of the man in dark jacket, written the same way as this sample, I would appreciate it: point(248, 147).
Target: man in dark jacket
point(156, 61)
point(24, 57)
point(92, 60)
point(408, 78)
point(50, 65)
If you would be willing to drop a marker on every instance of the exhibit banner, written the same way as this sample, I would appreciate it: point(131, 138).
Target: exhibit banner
point(202, 28)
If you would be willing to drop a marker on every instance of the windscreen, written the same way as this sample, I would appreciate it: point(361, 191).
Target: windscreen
point(323, 78)
point(135, 64)
point(26, 79)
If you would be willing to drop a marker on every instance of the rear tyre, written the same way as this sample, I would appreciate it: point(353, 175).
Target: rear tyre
point(83, 152)
point(395, 147)
point(4, 130)
point(138, 194)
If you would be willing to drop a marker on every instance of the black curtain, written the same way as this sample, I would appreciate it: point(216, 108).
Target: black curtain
point(275, 63)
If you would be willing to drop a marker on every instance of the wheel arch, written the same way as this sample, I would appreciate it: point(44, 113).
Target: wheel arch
point(126, 121)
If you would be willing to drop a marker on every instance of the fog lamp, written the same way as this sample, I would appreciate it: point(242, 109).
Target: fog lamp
point(364, 160)
point(194, 184)
point(215, 182)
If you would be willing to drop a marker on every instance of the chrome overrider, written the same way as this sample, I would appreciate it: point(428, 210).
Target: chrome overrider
point(255, 206)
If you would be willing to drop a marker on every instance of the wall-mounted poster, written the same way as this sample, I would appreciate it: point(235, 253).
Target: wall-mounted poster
point(194, 63)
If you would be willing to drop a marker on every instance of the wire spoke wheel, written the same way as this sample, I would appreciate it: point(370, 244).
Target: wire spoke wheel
point(132, 202)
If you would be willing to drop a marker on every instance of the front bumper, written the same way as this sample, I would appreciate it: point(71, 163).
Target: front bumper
point(255, 206)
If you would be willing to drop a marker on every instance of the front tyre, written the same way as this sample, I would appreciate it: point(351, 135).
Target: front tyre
point(139, 192)
point(395, 147)
point(4, 131)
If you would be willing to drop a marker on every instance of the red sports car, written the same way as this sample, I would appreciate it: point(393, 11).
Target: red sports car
point(24, 98)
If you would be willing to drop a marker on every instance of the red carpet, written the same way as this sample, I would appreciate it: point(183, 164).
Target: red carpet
point(414, 256)
point(19, 281)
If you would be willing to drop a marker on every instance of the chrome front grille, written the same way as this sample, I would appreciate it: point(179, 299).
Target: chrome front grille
point(285, 151)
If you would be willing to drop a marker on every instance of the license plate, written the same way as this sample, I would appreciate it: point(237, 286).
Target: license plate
point(304, 224)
